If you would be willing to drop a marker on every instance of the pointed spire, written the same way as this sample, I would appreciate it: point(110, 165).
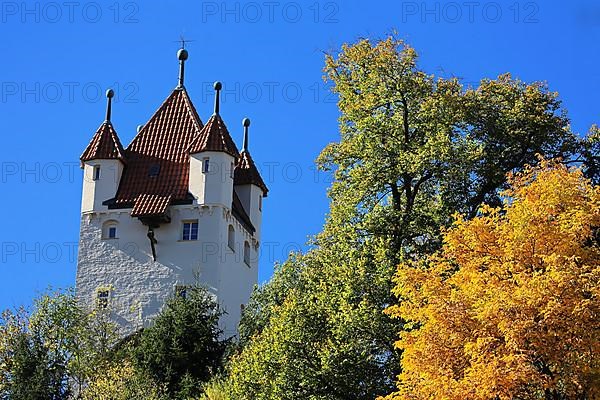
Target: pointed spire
point(246, 124)
point(218, 86)
point(182, 55)
point(109, 95)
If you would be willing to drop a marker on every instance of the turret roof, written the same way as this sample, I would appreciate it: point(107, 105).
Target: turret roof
point(105, 145)
point(247, 173)
point(214, 137)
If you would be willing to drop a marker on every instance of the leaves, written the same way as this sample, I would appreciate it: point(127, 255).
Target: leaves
point(183, 348)
point(510, 307)
point(414, 150)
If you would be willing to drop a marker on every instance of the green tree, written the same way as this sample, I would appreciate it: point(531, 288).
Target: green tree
point(121, 381)
point(27, 371)
point(326, 337)
point(183, 348)
point(414, 150)
point(51, 352)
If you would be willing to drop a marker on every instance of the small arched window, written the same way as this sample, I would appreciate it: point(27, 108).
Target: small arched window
point(109, 230)
point(231, 237)
point(247, 253)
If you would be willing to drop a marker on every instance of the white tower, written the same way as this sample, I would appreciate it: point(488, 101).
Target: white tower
point(179, 206)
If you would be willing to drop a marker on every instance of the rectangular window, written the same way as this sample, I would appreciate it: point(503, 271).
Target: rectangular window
point(259, 202)
point(205, 165)
point(190, 230)
point(102, 298)
point(247, 253)
point(232, 171)
point(112, 232)
point(96, 173)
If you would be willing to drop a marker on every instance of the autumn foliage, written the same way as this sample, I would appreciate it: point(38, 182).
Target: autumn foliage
point(510, 307)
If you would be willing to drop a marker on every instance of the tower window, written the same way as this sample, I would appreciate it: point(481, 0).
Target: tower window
point(205, 165)
point(154, 170)
point(247, 253)
point(109, 230)
point(232, 171)
point(260, 202)
point(102, 298)
point(231, 237)
point(96, 173)
point(190, 230)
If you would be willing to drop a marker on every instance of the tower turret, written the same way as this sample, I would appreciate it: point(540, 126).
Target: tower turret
point(102, 162)
point(213, 156)
point(249, 185)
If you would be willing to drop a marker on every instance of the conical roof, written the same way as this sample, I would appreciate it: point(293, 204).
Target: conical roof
point(105, 145)
point(246, 173)
point(215, 137)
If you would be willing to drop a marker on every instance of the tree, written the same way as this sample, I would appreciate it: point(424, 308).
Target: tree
point(509, 308)
point(121, 381)
point(51, 352)
point(183, 348)
point(326, 337)
point(414, 149)
point(26, 370)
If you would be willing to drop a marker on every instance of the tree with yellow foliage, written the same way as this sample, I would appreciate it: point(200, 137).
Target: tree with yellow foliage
point(123, 382)
point(510, 307)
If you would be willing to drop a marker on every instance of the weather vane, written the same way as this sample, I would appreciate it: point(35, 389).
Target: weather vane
point(183, 41)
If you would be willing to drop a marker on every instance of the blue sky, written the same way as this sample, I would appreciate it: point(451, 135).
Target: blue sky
point(59, 57)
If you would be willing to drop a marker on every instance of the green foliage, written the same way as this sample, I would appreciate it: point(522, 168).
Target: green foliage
point(34, 375)
point(326, 337)
point(182, 349)
point(53, 351)
point(215, 389)
point(590, 155)
point(61, 350)
point(121, 381)
point(414, 150)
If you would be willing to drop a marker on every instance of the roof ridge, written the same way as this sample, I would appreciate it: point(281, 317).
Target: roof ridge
point(158, 160)
point(188, 103)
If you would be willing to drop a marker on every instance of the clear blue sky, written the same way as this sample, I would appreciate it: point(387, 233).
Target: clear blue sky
point(58, 58)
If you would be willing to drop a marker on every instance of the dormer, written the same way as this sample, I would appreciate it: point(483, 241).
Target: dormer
point(102, 162)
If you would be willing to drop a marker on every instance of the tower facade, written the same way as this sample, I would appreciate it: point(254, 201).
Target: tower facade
point(179, 206)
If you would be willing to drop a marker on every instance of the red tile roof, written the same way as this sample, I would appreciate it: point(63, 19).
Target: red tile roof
point(162, 145)
point(247, 173)
point(150, 205)
point(215, 137)
point(105, 145)
point(157, 170)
